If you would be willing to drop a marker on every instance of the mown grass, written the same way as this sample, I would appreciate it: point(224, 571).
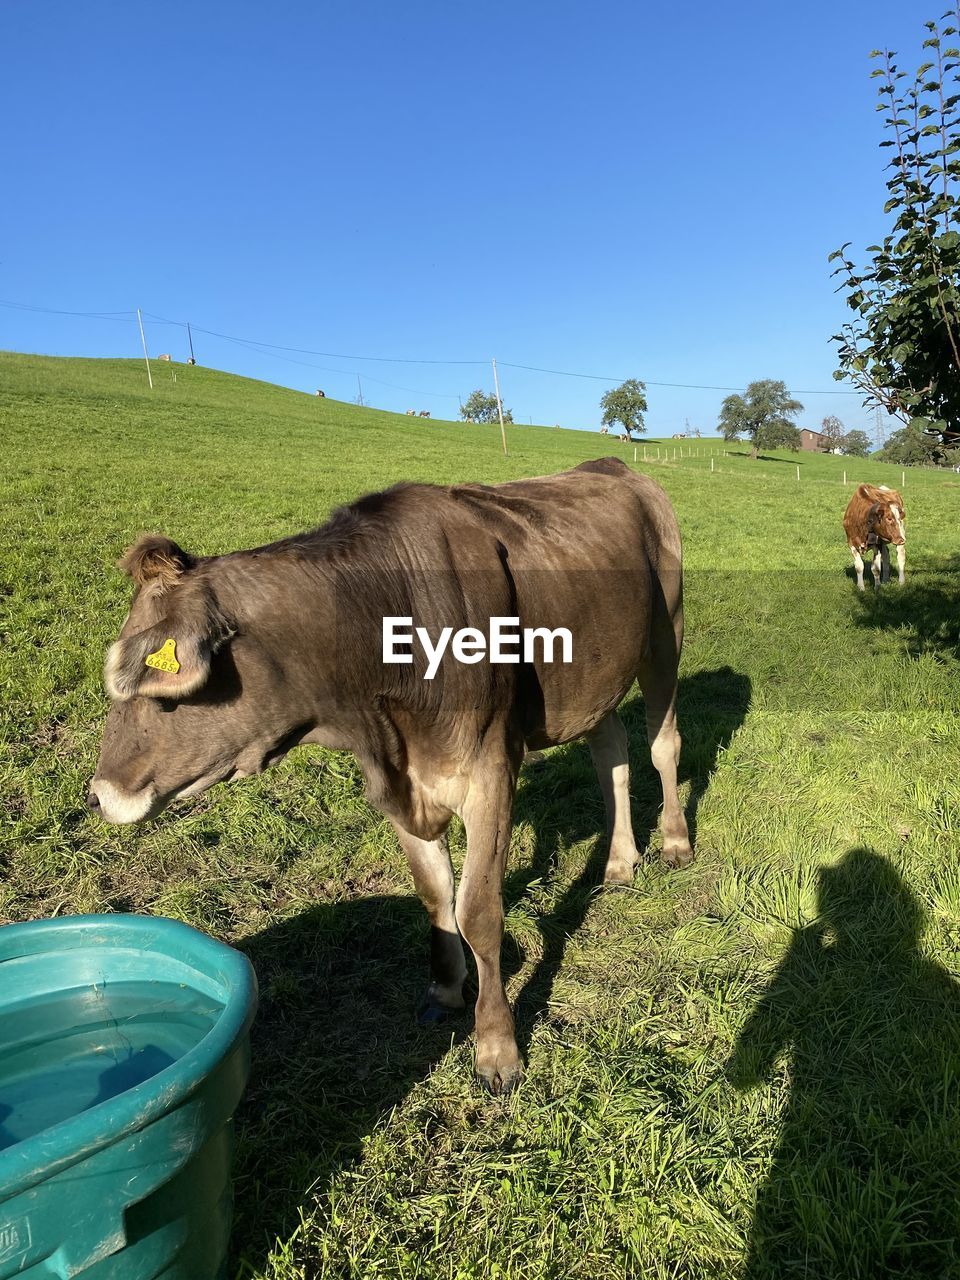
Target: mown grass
point(747, 1068)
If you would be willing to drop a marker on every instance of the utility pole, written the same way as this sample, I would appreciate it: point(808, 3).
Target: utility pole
point(359, 392)
point(496, 383)
point(144, 341)
point(880, 430)
point(193, 359)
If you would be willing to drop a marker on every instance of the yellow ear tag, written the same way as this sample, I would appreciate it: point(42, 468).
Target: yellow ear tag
point(165, 659)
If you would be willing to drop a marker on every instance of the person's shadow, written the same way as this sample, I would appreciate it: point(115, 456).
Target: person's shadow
point(864, 1182)
point(335, 1046)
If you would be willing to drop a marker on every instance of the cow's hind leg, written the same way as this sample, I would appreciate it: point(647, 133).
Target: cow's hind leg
point(433, 876)
point(487, 818)
point(608, 748)
point(658, 681)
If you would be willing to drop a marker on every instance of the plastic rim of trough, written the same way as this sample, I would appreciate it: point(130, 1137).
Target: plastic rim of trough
point(35, 962)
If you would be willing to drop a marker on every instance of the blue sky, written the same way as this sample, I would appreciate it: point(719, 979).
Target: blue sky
point(621, 189)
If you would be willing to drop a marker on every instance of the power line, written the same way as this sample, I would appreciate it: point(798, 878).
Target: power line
point(648, 382)
point(127, 316)
point(272, 348)
point(258, 348)
point(307, 351)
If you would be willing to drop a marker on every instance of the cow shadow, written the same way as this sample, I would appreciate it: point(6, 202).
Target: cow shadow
point(335, 1046)
point(925, 610)
point(863, 1184)
point(562, 802)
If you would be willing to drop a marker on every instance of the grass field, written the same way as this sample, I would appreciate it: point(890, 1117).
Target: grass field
point(750, 1067)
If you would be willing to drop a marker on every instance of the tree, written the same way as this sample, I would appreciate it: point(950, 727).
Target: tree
point(625, 404)
point(763, 414)
point(856, 443)
point(782, 435)
point(481, 406)
point(902, 349)
point(832, 430)
point(911, 446)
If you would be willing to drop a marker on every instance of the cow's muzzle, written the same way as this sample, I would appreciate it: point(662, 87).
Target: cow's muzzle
point(116, 806)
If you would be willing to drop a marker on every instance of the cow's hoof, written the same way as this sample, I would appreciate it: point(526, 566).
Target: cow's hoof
point(677, 853)
point(432, 1014)
point(620, 874)
point(431, 1010)
point(500, 1083)
point(622, 862)
point(499, 1073)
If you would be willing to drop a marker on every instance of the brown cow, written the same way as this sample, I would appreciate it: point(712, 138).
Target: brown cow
point(873, 519)
point(226, 662)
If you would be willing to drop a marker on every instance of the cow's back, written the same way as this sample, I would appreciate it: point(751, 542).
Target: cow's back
point(871, 493)
point(597, 550)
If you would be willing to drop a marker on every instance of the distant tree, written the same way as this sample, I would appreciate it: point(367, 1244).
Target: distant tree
point(763, 414)
point(856, 444)
point(782, 435)
point(832, 430)
point(625, 404)
point(481, 406)
point(902, 348)
point(912, 447)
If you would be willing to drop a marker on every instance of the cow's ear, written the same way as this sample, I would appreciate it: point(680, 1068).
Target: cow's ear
point(156, 561)
point(171, 659)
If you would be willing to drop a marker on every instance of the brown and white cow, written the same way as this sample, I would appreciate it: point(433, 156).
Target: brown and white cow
point(874, 519)
point(225, 663)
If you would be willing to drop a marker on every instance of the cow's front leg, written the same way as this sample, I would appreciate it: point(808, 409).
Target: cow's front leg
point(433, 876)
point(901, 562)
point(487, 817)
point(885, 562)
point(858, 565)
point(875, 566)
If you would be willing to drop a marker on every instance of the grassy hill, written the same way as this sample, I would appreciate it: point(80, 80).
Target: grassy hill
point(752, 1063)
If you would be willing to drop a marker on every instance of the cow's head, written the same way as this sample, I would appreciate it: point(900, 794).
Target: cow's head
point(196, 696)
point(885, 521)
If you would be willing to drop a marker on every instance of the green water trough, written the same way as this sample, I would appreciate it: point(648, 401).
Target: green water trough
point(124, 1049)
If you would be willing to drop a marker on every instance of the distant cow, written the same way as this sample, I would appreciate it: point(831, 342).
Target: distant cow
point(874, 518)
point(424, 413)
point(322, 394)
point(226, 662)
point(604, 431)
point(411, 413)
